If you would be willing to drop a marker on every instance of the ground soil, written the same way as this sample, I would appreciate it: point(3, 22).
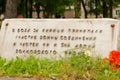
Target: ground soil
point(22, 78)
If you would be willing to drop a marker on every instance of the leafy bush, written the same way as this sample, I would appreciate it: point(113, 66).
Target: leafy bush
point(76, 67)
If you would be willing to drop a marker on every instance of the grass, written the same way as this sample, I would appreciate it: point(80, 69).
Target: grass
point(76, 67)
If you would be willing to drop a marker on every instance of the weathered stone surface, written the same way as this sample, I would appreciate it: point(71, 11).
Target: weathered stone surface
point(51, 37)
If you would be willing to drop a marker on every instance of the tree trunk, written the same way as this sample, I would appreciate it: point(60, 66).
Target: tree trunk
point(26, 8)
point(96, 9)
point(38, 11)
point(31, 8)
point(111, 8)
point(84, 8)
point(37, 5)
point(105, 10)
point(11, 9)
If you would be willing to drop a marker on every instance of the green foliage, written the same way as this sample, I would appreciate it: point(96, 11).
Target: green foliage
point(76, 67)
point(2, 6)
point(53, 7)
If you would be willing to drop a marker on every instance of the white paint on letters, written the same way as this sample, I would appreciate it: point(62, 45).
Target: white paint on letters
point(45, 37)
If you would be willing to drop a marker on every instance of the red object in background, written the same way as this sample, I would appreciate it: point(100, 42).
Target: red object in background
point(20, 16)
point(114, 59)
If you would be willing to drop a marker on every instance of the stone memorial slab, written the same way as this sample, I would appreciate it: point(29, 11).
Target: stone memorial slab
point(58, 37)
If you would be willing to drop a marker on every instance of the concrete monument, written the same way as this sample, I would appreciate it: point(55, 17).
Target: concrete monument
point(52, 37)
